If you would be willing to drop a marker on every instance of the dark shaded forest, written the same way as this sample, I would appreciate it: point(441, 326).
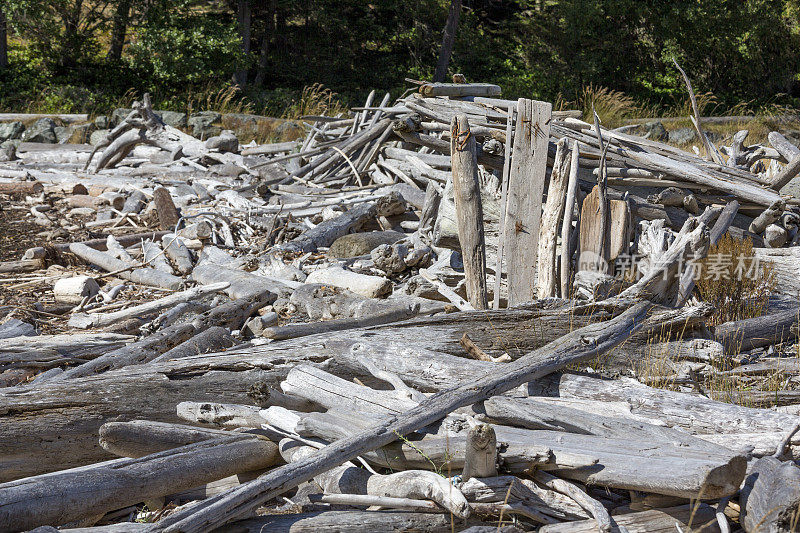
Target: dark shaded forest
point(90, 55)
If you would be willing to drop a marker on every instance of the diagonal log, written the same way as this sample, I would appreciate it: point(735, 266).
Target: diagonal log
point(579, 345)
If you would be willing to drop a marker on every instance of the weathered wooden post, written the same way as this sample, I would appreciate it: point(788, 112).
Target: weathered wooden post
point(469, 212)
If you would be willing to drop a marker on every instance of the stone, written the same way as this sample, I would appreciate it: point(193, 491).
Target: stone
point(682, 136)
point(103, 122)
point(8, 152)
point(201, 124)
point(42, 131)
point(656, 131)
point(289, 131)
point(97, 137)
point(225, 142)
point(11, 130)
point(63, 134)
point(228, 170)
point(175, 119)
point(358, 244)
point(80, 133)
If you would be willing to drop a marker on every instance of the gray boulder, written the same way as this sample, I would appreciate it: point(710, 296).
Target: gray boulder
point(682, 136)
point(11, 130)
point(224, 142)
point(63, 134)
point(42, 131)
point(173, 118)
point(97, 136)
point(358, 244)
point(102, 122)
point(656, 131)
point(289, 130)
point(201, 124)
point(8, 151)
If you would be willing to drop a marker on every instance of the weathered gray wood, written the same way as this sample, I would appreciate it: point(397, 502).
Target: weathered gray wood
point(598, 512)
point(498, 270)
point(54, 425)
point(571, 348)
point(547, 285)
point(469, 213)
point(214, 339)
point(49, 351)
point(145, 276)
point(785, 265)
point(524, 208)
point(350, 521)
point(480, 457)
point(291, 331)
point(138, 438)
point(698, 518)
point(242, 284)
point(459, 89)
point(24, 265)
point(770, 497)
point(178, 253)
point(567, 240)
point(744, 335)
point(61, 497)
point(768, 216)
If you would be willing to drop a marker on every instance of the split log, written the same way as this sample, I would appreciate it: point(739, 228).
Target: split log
point(62, 497)
point(466, 192)
point(553, 210)
point(524, 207)
point(770, 496)
point(569, 349)
point(95, 320)
point(291, 331)
point(242, 284)
point(73, 290)
point(145, 276)
point(567, 233)
point(177, 253)
point(699, 518)
point(214, 339)
point(363, 284)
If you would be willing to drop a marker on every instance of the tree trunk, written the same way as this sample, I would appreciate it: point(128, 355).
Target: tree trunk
point(266, 44)
point(448, 40)
point(121, 18)
point(243, 16)
point(3, 41)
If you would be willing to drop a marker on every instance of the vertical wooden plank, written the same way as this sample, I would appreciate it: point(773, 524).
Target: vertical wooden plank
point(618, 233)
point(525, 187)
point(469, 211)
point(498, 271)
point(553, 209)
point(566, 226)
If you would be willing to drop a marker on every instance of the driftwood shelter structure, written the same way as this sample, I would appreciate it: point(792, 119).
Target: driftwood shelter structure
point(448, 312)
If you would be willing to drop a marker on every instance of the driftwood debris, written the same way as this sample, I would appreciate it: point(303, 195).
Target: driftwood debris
point(205, 329)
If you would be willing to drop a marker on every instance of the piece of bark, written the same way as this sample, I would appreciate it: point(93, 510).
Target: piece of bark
point(95, 320)
point(469, 213)
point(700, 518)
point(524, 208)
point(95, 489)
point(480, 458)
point(144, 276)
point(168, 215)
point(770, 497)
point(573, 347)
point(547, 284)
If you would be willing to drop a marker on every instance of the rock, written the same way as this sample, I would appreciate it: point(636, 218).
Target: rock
point(225, 142)
point(357, 244)
point(656, 131)
point(289, 131)
point(80, 133)
point(63, 134)
point(201, 124)
point(175, 119)
point(42, 131)
point(118, 115)
point(682, 136)
point(11, 130)
point(228, 170)
point(8, 152)
point(102, 122)
point(97, 136)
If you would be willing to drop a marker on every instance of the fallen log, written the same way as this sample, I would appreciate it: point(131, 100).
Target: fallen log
point(571, 348)
point(770, 497)
point(699, 518)
point(62, 497)
point(145, 276)
point(750, 333)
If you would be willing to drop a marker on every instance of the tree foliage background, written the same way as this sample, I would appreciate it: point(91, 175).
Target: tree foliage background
point(62, 53)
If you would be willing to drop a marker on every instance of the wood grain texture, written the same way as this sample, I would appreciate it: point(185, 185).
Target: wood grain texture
point(553, 210)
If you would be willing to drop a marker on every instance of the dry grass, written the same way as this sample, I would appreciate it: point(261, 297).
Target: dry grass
point(315, 99)
point(224, 100)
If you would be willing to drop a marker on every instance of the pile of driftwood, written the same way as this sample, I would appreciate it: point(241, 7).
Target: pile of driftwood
point(406, 321)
